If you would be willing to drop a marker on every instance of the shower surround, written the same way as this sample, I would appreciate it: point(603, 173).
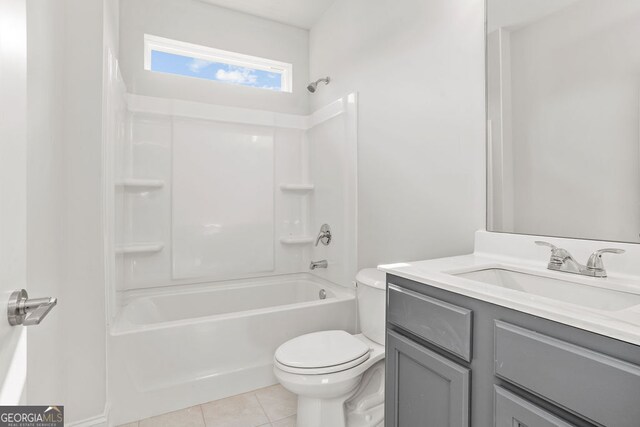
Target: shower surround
point(215, 214)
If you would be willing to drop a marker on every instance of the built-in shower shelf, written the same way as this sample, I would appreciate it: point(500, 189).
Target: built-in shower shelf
point(141, 184)
point(298, 188)
point(296, 240)
point(140, 248)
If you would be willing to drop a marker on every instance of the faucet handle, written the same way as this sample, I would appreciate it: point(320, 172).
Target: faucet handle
point(324, 236)
point(595, 260)
point(543, 243)
point(558, 255)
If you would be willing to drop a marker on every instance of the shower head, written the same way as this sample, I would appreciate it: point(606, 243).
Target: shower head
point(314, 86)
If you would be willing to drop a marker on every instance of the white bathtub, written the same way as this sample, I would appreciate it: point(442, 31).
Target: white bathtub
point(174, 348)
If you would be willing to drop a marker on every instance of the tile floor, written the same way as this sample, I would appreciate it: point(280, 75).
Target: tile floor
point(267, 407)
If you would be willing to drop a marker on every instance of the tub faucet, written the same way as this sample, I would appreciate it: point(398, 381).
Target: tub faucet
point(318, 264)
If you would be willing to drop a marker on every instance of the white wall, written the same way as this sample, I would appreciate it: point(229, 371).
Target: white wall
point(64, 195)
point(45, 196)
point(82, 301)
point(514, 13)
point(418, 69)
point(204, 24)
point(575, 91)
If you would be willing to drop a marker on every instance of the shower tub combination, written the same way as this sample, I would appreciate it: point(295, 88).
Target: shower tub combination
point(178, 347)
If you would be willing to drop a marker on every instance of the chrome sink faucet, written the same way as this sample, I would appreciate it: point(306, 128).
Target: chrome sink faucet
point(561, 260)
point(318, 264)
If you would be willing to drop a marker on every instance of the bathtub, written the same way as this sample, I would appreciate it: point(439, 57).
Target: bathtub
point(177, 347)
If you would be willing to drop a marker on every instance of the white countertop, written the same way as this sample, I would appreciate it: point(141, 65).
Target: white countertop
point(623, 324)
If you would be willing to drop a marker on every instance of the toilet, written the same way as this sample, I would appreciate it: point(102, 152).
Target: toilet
point(339, 377)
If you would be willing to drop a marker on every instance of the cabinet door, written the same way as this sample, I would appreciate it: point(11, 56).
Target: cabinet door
point(423, 389)
point(513, 411)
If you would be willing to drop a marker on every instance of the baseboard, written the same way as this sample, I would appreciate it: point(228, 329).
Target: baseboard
point(101, 420)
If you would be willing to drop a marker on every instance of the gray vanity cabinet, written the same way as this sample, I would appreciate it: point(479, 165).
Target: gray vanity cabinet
point(455, 361)
point(427, 388)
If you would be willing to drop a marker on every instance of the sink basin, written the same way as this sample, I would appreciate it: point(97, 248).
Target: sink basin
point(559, 290)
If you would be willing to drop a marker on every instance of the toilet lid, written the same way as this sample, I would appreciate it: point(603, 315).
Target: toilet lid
point(322, 350)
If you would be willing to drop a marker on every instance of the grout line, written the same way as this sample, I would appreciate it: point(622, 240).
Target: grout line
point(262, 407)
point(202, 414)
point(265, 412)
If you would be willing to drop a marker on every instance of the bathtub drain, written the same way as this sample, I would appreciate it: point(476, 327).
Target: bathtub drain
point(322, 294)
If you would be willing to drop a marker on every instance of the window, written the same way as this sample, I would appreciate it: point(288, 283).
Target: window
point(191, 60)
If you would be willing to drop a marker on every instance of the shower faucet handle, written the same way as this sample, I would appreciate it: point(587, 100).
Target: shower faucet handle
point(325, 235)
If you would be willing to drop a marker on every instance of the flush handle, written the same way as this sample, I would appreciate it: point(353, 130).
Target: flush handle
point(24, 311)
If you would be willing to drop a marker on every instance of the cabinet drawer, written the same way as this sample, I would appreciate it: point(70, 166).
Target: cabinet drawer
point(445, 325)
point(514, 411)
point(596, 386)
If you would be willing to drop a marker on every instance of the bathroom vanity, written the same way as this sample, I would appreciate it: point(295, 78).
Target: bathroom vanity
point(461, 352)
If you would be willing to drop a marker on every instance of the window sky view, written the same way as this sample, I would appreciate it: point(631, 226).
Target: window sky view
point(193, 67)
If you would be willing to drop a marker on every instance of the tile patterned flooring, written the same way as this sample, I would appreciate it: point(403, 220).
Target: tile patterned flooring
point(267, 407)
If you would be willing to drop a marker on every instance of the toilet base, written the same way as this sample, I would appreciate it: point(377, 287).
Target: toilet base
point(321, 412)
point(363, 406)
point(366, 407)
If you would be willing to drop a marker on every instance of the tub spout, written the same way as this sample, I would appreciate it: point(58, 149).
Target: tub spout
point(318, 264)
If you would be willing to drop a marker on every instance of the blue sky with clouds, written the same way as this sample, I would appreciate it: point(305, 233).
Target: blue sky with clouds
point(192, 67)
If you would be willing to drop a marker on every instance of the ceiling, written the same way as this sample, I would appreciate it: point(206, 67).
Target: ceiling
point(299, 13)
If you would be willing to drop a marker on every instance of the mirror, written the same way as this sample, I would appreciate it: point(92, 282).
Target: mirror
point(563, 128)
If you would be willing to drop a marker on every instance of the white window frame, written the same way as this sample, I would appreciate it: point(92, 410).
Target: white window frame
point(191, 50)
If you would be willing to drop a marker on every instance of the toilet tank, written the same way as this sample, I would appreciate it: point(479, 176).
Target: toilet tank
point(371, 293)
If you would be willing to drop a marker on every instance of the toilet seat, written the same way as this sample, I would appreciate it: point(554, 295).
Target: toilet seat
point(320, 353)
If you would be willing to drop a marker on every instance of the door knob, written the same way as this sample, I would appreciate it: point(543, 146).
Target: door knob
point(24, 311)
